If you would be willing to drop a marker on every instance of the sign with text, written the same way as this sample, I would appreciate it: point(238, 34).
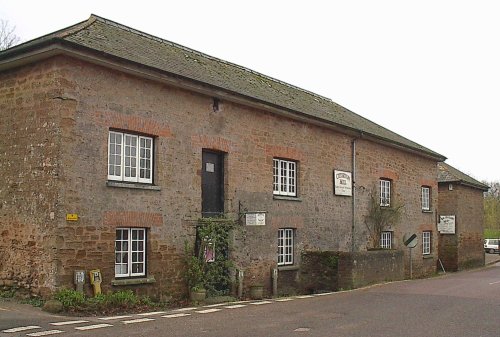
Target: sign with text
point(446, 224)
point(255, 219)
point(342, 183)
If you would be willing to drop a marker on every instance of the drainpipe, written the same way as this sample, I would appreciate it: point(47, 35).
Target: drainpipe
point(353, 192)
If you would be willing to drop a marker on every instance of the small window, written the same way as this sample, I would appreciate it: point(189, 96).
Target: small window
point(386, 240)
point(130, 157)
point(130, 252)
point(426, 198)
point(426, 242)
point(284, 177)
point(285, 246)
point(385, 192)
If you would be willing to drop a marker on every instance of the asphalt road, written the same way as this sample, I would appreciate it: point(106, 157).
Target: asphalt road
point(458, 304)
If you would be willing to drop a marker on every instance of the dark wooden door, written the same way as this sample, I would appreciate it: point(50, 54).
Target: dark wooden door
point(212, 184)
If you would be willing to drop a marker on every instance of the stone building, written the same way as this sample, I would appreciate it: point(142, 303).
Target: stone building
point(115, 142)
point(460, 201)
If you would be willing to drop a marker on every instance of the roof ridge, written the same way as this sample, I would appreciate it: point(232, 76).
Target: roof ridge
point(196, 52)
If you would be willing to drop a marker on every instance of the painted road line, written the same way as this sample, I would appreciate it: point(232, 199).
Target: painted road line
point(68, 323)
point(304, 296)
point(235, 306)
point(114, 317)
point(185, 309)
point(183, 314)
point(2, 309)
point(44, 333)
point(140, 320)
point(284, 299)
point(214, 305)
point(323, 294)
point(208, 311)
point(22, 328)
point(494, 282)
point(152, 313)
point(91, 327)
point(260, 303)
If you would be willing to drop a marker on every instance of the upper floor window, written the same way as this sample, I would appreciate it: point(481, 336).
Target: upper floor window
point(385, 192)
point(130, 157)
point(284, 177)
point(426, 198)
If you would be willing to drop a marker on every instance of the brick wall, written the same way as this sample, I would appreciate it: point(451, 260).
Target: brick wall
point(465, 248)
point(90, 100)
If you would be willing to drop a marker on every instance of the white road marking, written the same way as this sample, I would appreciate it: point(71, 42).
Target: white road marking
point(140, 320)
point(259, 303)
point(68, 323)
point(301, 329)
point(284, 299)
point(152, 313)
point(4, 309)
point(114, 317)
point(494, 282)
point(186, 309)
point(214, 305)
point(235, 306)
point(91, 327)
point(208, 311)
point(177, 315)
point(22, 328)
point(304, 296)
point(323, 294)
point(44, 333)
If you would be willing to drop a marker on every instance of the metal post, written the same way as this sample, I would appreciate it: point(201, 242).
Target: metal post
point(411, 265)
point(240, 283)
point(275, 281)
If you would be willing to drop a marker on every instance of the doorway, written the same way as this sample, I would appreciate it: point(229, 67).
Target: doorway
point(212, 184)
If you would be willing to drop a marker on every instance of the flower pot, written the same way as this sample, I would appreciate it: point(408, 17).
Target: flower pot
point(256, 292)
point(198, 295)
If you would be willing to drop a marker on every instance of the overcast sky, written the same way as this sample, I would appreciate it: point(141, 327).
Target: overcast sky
point(428, 70)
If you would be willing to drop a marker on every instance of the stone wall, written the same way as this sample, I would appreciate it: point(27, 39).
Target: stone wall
point(359, 269)
point(66, 173)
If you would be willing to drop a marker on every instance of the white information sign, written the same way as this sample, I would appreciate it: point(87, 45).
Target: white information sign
point(255, 219)
point(446, 224)
point(343, 183)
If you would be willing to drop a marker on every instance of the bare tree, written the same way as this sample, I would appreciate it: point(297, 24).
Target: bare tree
point(7, 36)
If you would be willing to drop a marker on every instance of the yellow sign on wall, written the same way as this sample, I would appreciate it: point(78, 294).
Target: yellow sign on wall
point(71, 217)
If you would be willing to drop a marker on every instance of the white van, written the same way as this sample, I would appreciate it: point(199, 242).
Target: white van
point(491, 246)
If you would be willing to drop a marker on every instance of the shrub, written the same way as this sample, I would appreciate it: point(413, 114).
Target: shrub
point(70, 298)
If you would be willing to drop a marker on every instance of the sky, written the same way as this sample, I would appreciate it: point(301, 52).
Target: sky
point(427, 70)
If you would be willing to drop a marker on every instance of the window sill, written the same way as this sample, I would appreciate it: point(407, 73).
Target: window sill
point(427, 211)
point(288, 268)
point(133, 281)
point(428, 256)
point(123, 184)
point(283, 197)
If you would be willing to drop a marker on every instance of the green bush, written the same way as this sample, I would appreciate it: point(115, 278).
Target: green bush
point(70, 298)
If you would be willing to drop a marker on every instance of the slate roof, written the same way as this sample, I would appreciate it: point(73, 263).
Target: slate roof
point(111, 39)
point(449, 174)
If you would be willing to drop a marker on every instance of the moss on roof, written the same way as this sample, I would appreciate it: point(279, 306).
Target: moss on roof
point(116, 40)
point(449, 174)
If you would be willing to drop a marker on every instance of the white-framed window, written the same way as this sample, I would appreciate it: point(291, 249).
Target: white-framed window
point(385, 192)
point(426, 242)
point(386, 240)
point(130, 252)
point(285, 246)
point(130, 157)
point(284, 177)
point(426, 198)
